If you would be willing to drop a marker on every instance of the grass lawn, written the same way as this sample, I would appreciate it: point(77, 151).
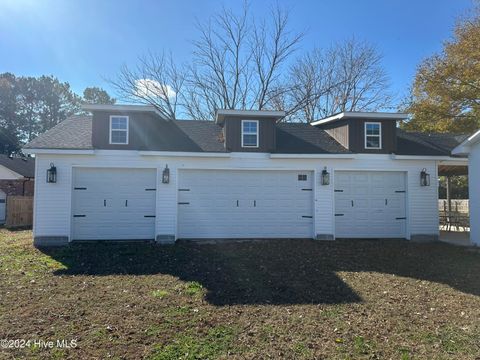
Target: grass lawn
point(290, 299)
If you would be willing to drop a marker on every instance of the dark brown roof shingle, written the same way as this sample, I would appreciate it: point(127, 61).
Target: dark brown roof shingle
point(206, 136)
point(73, 133)
point(24, 166)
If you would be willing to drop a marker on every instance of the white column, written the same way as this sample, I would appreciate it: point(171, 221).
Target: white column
point(474, 193)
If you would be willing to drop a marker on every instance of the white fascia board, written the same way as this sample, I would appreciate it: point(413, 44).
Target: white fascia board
point(220, 114)
point(462, 149)
point(328, 119)
point(362, 115)
point(58, 151)
point(184, 154)
point(129, 108)
point(425, 157)
point(465, 147)
point(312, 156)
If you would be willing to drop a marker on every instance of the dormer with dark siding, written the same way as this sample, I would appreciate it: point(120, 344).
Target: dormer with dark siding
point(242, 127)
point(363, 132)
point(145, 129)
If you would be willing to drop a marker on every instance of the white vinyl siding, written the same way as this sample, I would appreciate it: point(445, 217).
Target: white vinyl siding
point(474, 192)
point(373, 135)
point(118, 130)
point(250, 133)
point(53, 201)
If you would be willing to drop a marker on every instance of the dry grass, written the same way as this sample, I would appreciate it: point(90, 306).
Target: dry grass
point(275, 299)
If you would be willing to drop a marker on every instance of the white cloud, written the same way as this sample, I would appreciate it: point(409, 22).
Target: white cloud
point(152, 88)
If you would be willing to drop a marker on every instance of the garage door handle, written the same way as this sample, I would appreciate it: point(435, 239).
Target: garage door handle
point(237, 203)
point(352, 203)
point(254, 203)
point(104, 202)
point(126, 203)
point(386, 202)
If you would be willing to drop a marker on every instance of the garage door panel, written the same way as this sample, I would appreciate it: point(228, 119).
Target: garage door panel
point(377, 205)
point(270, 204)
point(113, 204)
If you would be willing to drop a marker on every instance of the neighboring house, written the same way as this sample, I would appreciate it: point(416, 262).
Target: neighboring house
point(16, 178)
point(128, 173)
point(471, 147)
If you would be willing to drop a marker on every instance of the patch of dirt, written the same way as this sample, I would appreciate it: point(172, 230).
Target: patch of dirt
point(261, 299)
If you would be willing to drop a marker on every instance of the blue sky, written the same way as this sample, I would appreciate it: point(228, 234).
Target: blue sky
point(85, 41)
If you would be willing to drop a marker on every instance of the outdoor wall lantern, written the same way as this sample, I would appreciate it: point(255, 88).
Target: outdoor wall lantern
point(166, 175)
point(52, 174)
point(424, 178)
point(325, 177)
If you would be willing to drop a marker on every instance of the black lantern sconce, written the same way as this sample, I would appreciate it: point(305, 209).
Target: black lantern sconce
point(325, 180)
point(52, 174)
point(166, 175)
point(424, 178)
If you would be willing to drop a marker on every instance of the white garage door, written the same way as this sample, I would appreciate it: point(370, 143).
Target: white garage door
point(370, 204)
point(245, 204)
point(113, 204)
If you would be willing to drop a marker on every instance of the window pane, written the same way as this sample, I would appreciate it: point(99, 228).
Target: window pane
point(119, 137)
point(249, 140)
point(249, 126)
point(373, 129)
point(119, 123)
point(373, 141)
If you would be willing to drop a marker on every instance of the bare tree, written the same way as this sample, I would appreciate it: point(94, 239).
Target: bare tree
point(220, 73)
point(349, 76)
point(155, 80)
point(238, 62)
point(242, 62)
point(272, 46)
point(311, 81)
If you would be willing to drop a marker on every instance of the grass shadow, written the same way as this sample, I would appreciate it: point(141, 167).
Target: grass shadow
point(276, 271)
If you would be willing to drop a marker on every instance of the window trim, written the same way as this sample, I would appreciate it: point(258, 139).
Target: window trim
point(379, 135)
point(126, 130)
point(249, 133)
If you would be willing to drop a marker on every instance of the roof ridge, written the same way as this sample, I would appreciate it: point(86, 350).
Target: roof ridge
point(195, 120)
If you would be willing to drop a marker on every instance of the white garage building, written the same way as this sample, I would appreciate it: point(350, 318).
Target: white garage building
point(127, 173)
point(471, 148)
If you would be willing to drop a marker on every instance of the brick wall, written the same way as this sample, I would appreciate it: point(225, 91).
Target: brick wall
point(17, 187)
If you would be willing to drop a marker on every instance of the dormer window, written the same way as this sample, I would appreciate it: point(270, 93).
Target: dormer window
point(373, 135)
point(119, 130)
point(250, 133)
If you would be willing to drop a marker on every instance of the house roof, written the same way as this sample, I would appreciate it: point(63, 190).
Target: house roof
point(127, 108)
point(74, 133)
point(465, 147)
point(361, 115)
point(206, 136)
point(220, 114)
point(302, 138)
point(434, 144)
point(24, 166)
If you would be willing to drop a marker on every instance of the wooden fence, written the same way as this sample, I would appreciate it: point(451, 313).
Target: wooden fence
point(460, 206)
point(19, 211)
